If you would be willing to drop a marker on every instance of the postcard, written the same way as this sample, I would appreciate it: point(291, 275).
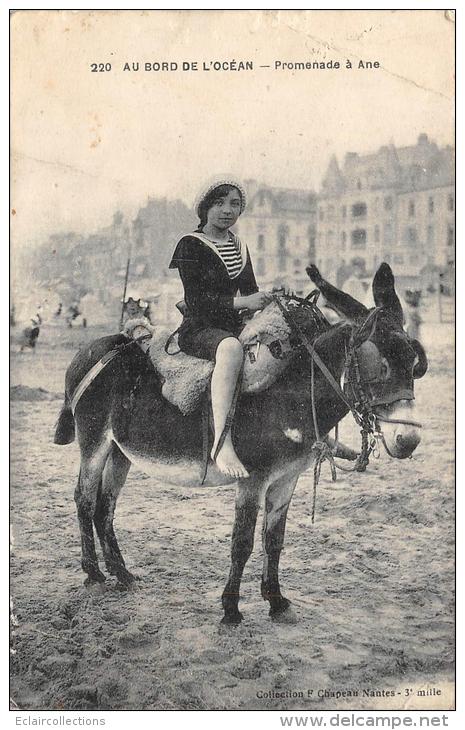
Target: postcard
point(232, 360)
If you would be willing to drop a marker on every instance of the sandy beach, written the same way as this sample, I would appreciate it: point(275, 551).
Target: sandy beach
point(371, 581)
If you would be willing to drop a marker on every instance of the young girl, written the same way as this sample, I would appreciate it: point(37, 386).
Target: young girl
point(218, 279)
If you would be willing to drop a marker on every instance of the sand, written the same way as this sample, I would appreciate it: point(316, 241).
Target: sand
point(371, 581)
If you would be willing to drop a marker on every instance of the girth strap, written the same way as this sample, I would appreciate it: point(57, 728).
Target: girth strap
point(205, 438)
point(96, 369)
point(90, 376)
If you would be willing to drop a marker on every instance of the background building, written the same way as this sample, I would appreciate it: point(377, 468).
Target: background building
point(395, 205)
point(279, 228)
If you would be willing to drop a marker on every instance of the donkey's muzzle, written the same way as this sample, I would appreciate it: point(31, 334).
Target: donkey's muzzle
point(406, 443)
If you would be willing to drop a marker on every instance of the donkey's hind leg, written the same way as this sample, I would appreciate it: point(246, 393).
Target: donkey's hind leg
point(114, 476)
point(85, 496)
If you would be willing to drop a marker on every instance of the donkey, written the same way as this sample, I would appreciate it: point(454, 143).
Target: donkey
point(122, 418)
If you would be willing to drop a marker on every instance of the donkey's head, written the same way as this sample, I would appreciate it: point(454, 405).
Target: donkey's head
point(386, 360)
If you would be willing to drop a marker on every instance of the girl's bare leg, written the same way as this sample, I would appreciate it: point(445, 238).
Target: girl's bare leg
point(229, 359)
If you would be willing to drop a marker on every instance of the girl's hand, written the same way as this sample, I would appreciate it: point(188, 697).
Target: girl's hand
point(257, 301)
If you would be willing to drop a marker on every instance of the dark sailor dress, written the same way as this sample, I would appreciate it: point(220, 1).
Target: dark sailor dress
point(211, 280)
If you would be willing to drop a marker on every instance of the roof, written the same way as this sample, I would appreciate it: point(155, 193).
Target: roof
point(287, 200)
point(419, 167)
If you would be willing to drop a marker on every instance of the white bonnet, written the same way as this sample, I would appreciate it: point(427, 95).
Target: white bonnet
point(215, 183)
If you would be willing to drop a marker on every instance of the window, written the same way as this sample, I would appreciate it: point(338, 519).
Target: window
point(297, 264)
point(398, 259)
point(359, 184)
point(344, 211)
point(388, 203)
point(261, 199)
point(377, 234)
point(430, 235)
point(261, 268)
point(330, 212)
point(450, 236)
point(450, 202)
point(413, 259)
point(322, 214)
point(261, 242)
point(387, 258)
point(282, 263)
point(282, 236)
point(330, 238)
point(411, 209)
point(412, 235)
point(431, 204)
point(388, 235)
point(343, 239)
point(359, 210)
point(359, 238)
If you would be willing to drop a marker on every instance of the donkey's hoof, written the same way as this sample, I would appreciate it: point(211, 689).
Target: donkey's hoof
point(95, 579)
point(94, 587)
point(284, 614)
point(232, 619)
point(127, 581)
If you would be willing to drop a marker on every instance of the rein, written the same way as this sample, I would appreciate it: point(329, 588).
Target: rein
point(361, 409)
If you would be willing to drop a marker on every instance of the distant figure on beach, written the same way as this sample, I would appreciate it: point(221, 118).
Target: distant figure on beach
point(412, 314)
point(73, 313)
point(136, 309)
point(30, 334)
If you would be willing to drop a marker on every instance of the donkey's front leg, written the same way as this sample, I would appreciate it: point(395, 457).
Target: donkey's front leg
point(278, 497)
point(247, 505)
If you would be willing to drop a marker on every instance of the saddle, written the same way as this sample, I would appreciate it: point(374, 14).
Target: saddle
point(268, 345)
point(268, 350)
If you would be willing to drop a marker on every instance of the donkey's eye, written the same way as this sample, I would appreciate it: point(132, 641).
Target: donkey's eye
point(384, 369)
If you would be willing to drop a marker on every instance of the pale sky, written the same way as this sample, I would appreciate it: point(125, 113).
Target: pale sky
point(85, 144)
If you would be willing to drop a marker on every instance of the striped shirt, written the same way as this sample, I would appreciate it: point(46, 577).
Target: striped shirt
point(230, 255)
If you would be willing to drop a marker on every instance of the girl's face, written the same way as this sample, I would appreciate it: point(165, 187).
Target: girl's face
point(225, 210)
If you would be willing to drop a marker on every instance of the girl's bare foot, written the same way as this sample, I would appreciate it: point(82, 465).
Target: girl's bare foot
point(228, 462)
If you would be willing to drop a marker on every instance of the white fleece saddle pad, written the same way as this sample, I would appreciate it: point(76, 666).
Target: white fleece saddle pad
point(186, 377)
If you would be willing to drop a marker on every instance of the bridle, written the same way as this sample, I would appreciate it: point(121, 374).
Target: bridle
point(360, 403)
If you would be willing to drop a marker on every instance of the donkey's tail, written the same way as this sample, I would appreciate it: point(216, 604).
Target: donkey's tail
point(65, 429)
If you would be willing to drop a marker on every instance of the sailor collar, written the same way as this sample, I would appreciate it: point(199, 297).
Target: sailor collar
point(210, 244)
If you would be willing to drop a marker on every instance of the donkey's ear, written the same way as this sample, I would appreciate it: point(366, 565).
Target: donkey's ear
point(345, 305)
point(384, 292)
